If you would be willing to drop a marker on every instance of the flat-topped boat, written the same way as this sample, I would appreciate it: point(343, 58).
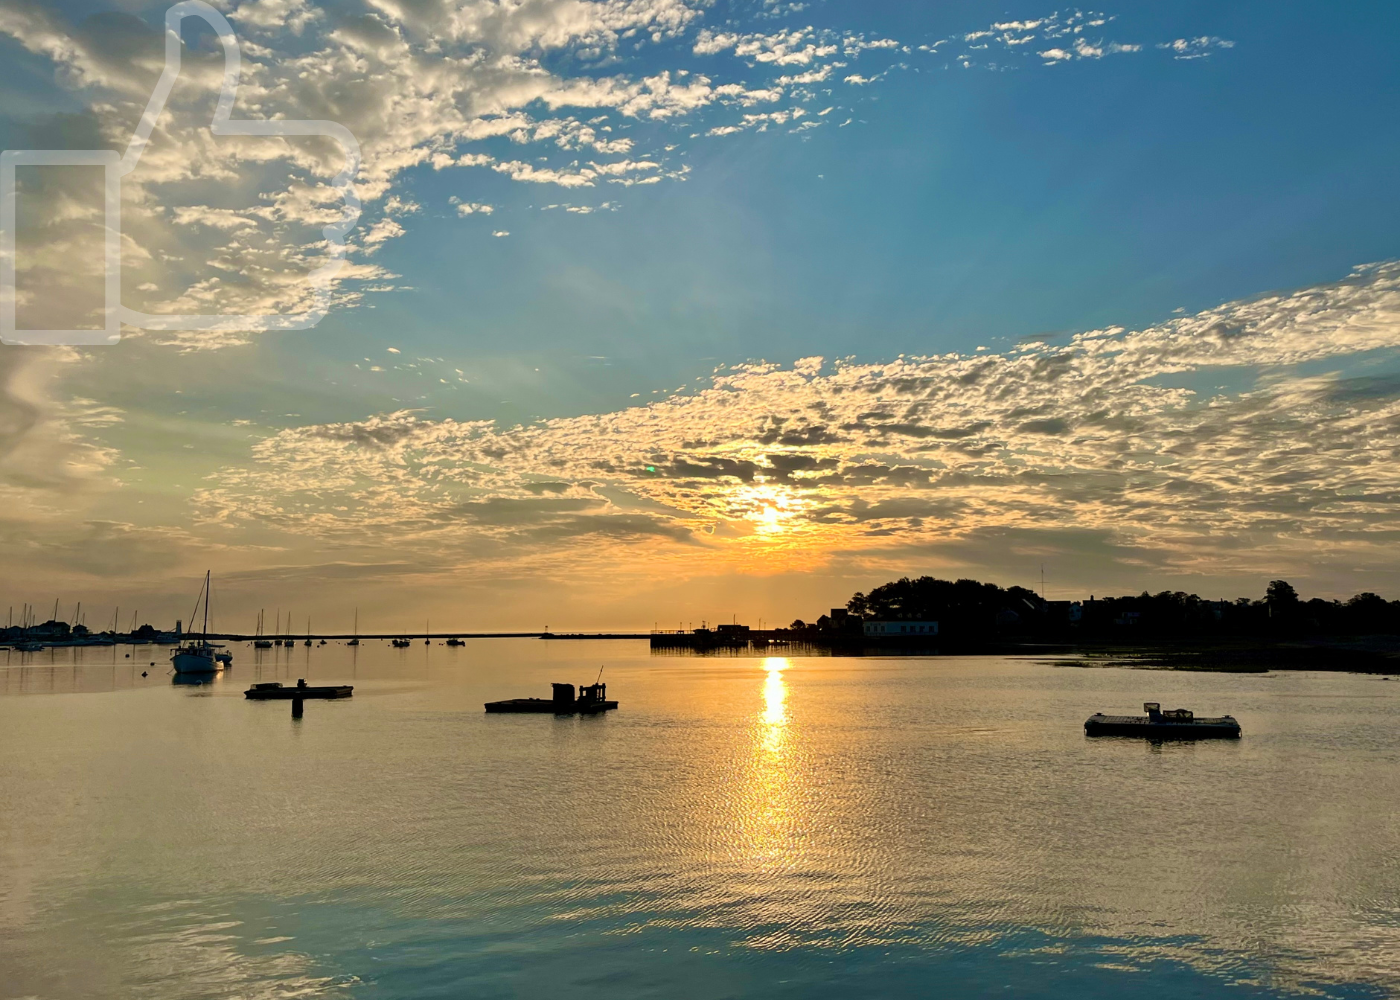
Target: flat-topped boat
point(1173, 724)
point(591, 699)
point(275, 690)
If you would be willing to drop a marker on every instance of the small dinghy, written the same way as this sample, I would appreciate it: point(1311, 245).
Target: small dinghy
point(592, 699)
point(275, 690)
point(1173, 724)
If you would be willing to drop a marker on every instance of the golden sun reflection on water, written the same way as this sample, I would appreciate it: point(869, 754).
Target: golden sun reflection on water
point(775, 695)
point(769, 816)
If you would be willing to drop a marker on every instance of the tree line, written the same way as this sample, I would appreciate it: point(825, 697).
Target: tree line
point(972, 608)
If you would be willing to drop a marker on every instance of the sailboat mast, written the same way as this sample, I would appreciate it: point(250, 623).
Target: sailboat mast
point(206, 604)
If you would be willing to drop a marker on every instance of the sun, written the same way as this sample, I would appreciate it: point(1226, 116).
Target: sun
point(772, 510)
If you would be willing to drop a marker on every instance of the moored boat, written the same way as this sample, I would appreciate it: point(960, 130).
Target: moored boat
point(258, 641)
point(591, 699)
point(1173, 724)
point(277, 691)
point(200, 656)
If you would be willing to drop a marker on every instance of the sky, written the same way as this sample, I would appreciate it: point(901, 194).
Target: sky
point(666, 311)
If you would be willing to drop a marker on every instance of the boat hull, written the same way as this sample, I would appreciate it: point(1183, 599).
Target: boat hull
point(545, 705)
point(280, 693)
point(195, 663)
point(1140, 726)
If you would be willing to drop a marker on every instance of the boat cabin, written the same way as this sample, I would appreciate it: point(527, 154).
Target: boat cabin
point(589, 696)
point(593, 694)
point(1155, 713)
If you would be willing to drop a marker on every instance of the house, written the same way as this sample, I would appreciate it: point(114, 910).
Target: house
point(884, 629)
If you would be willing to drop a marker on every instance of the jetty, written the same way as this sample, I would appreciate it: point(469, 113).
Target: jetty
point(591, 699)
point(1173, 724)
point(276, 691)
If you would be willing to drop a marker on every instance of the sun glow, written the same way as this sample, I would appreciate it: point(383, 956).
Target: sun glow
point(773, 511)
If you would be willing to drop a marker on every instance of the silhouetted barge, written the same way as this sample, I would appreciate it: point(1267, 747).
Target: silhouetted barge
point(592, 699)
point(274, 690)
point(1173, 724)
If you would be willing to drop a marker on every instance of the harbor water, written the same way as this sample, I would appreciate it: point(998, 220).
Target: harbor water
point(742, 826)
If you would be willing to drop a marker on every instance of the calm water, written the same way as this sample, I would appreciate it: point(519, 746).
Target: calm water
point(742, 827)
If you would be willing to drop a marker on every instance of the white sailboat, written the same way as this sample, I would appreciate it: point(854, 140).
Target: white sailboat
point(200, 656)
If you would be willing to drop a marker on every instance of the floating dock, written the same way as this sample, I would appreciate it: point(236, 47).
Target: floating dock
point(275, 691)
point(1174, 724)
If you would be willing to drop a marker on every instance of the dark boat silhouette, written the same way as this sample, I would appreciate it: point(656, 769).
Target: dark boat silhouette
point(1173, 724)
point(591, 699)
point(276, 691)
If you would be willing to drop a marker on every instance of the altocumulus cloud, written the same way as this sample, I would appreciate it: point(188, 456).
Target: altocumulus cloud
point(1100, 435)
point(232, 225)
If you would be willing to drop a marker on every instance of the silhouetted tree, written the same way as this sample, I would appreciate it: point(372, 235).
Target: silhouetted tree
point(1281, 594)
point(970, 609)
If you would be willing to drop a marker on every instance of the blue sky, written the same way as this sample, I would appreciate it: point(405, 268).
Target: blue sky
point(951, 180)
point(962, 207)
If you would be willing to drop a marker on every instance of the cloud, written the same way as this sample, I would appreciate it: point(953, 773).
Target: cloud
point(571, 93)
point(1103, 434)
point(1056, 38)
point(607, 206)
point(1196, 48)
